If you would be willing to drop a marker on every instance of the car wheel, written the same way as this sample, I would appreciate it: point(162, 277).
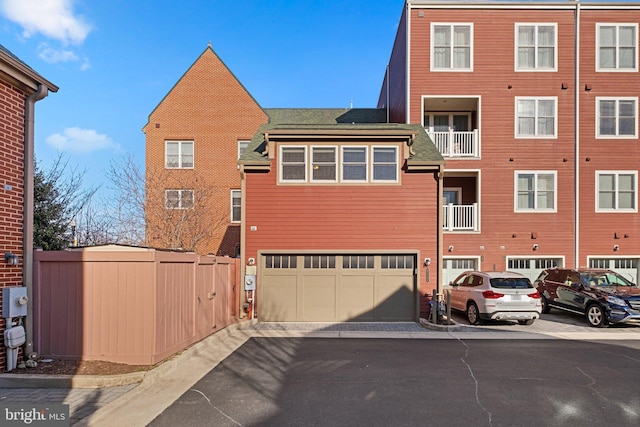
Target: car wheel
point(526, 322)
point(595, 316)
point(472, 313)
point(545, 305)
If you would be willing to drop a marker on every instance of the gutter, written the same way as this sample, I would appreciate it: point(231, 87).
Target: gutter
point(27, 230)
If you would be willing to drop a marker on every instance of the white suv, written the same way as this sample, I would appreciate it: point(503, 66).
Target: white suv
point(495, 295)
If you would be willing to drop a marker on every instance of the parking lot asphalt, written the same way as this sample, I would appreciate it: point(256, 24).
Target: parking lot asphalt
point(136, 404)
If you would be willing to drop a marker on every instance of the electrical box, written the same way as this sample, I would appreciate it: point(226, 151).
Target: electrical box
point(14, 301)
point(14, 337)
point(249, 282)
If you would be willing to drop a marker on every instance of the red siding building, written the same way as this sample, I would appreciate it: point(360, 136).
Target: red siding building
point(534, 106)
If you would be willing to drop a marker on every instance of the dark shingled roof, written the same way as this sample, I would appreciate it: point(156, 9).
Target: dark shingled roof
point(334, 121)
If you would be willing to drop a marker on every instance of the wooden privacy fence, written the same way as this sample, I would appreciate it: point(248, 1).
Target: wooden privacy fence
point(129, 305)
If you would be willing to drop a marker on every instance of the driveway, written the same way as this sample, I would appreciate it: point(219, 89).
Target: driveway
point(389, 382)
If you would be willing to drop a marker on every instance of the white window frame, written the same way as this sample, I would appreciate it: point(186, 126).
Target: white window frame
point(233, 194)
point(536, 117)
point(312, 164)
point(242, 146)
point(457, 190)
point(616, 190)
point(616, 68)
point(366, 164)
point(617, 100)
point(536, 47)
point(180, 197)
point(180, 154)
point(536, 174)
point(281, 165)
point(451, 46)
point(396, 163)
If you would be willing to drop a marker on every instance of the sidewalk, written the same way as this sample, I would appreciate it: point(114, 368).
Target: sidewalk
point(136, 399)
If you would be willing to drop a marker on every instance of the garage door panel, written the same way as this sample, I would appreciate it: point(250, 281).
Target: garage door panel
point(319, 297)
point(356, 297)
point(280, 298)
point(395, 300)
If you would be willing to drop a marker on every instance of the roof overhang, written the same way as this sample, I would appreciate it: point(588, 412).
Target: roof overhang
point(21, 75)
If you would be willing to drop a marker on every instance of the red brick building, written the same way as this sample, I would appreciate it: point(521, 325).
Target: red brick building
point(193, 140)
point(534, 106)
point(20, 88)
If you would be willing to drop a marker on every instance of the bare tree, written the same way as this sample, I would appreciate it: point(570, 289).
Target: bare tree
point(166, 208)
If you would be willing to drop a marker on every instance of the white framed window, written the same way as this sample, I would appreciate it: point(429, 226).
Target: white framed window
point(324, 161)
point(617, 117)
point(242, 145)
point(385, 164)
point(236, 205)
point(293, 164)
point(536, 117)
point(354, 164)
point(451, 47)
point(536, 191)
point(536, 47)
point(178, 154)
point(617, 46)
point(452, 196)
point(616, 191)
point(447, 122)
point(178, 199)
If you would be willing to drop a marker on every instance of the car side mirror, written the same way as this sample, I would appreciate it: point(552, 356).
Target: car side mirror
point(453, 284)
point(577, 286)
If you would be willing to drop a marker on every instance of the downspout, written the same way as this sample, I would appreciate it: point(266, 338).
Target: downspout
point(576, 121)
point(440, 226)
point(27, 230)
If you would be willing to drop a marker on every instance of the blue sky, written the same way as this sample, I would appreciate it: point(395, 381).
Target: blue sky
point(114, 61)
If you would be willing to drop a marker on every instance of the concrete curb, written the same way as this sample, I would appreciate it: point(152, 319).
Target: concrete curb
point(105, 381)
point(454, 327)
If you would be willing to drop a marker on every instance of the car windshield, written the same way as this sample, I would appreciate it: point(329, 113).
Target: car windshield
point(608, 278)
point(511, 283)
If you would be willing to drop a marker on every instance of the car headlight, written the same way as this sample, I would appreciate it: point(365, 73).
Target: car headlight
point(615, 300)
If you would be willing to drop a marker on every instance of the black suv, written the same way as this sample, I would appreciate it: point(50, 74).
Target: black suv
point(602, 296)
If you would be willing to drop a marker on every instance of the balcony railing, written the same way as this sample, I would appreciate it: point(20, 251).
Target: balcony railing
point(460, 217)
point(456, 144)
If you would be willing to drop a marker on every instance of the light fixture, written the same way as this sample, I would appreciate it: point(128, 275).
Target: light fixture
point(616, 248)
point(11, 259)
point(535, 247)
point(451, 248)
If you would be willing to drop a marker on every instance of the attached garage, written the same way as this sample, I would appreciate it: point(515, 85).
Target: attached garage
point(337, 287)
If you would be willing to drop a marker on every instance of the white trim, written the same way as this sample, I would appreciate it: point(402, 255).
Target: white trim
point(617, 99)
point(431, 47)
point(617, 68)
point(180, 143)
point(616, 174)
point(336, 163)
point(366, 165)
point(233, 190)
point(373, 164)
point(536, 134)
point(536, 25)
point(241, 142)
point(535, 173)
point(280, 165)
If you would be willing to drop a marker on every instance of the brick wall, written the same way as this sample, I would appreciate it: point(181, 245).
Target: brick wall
point(12, 110)
point(209, 106)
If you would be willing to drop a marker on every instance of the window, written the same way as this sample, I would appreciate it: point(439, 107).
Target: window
point(397, 262)
point(323, 164)
point(178, 154)
point(536, 117)
point(451, 47)
point(535, 191)
point(385, 164)
point(281, 261)
point(617, 47)
point(354, 164)
point(357, 261)
point(617, 117)
point(236, 205)
point(178, 199)
point(293, 164)
point(319, 261)
point(242, 145)
point(616, 191)
point(536, 47)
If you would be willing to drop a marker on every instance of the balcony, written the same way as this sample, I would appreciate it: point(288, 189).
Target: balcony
point(456, 144)
point(460, 217)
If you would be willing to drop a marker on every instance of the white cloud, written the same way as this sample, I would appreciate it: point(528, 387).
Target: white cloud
point(54, 19)
point(81, 141)
point(57, 55)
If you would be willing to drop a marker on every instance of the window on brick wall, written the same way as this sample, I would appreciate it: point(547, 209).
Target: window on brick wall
point(236, 205)
point(178, 154)
point(178, 199)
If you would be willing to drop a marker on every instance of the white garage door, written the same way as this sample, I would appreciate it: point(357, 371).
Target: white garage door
point(337, 287)
point(628, 267)
point(453, 267)
point(531, 267)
